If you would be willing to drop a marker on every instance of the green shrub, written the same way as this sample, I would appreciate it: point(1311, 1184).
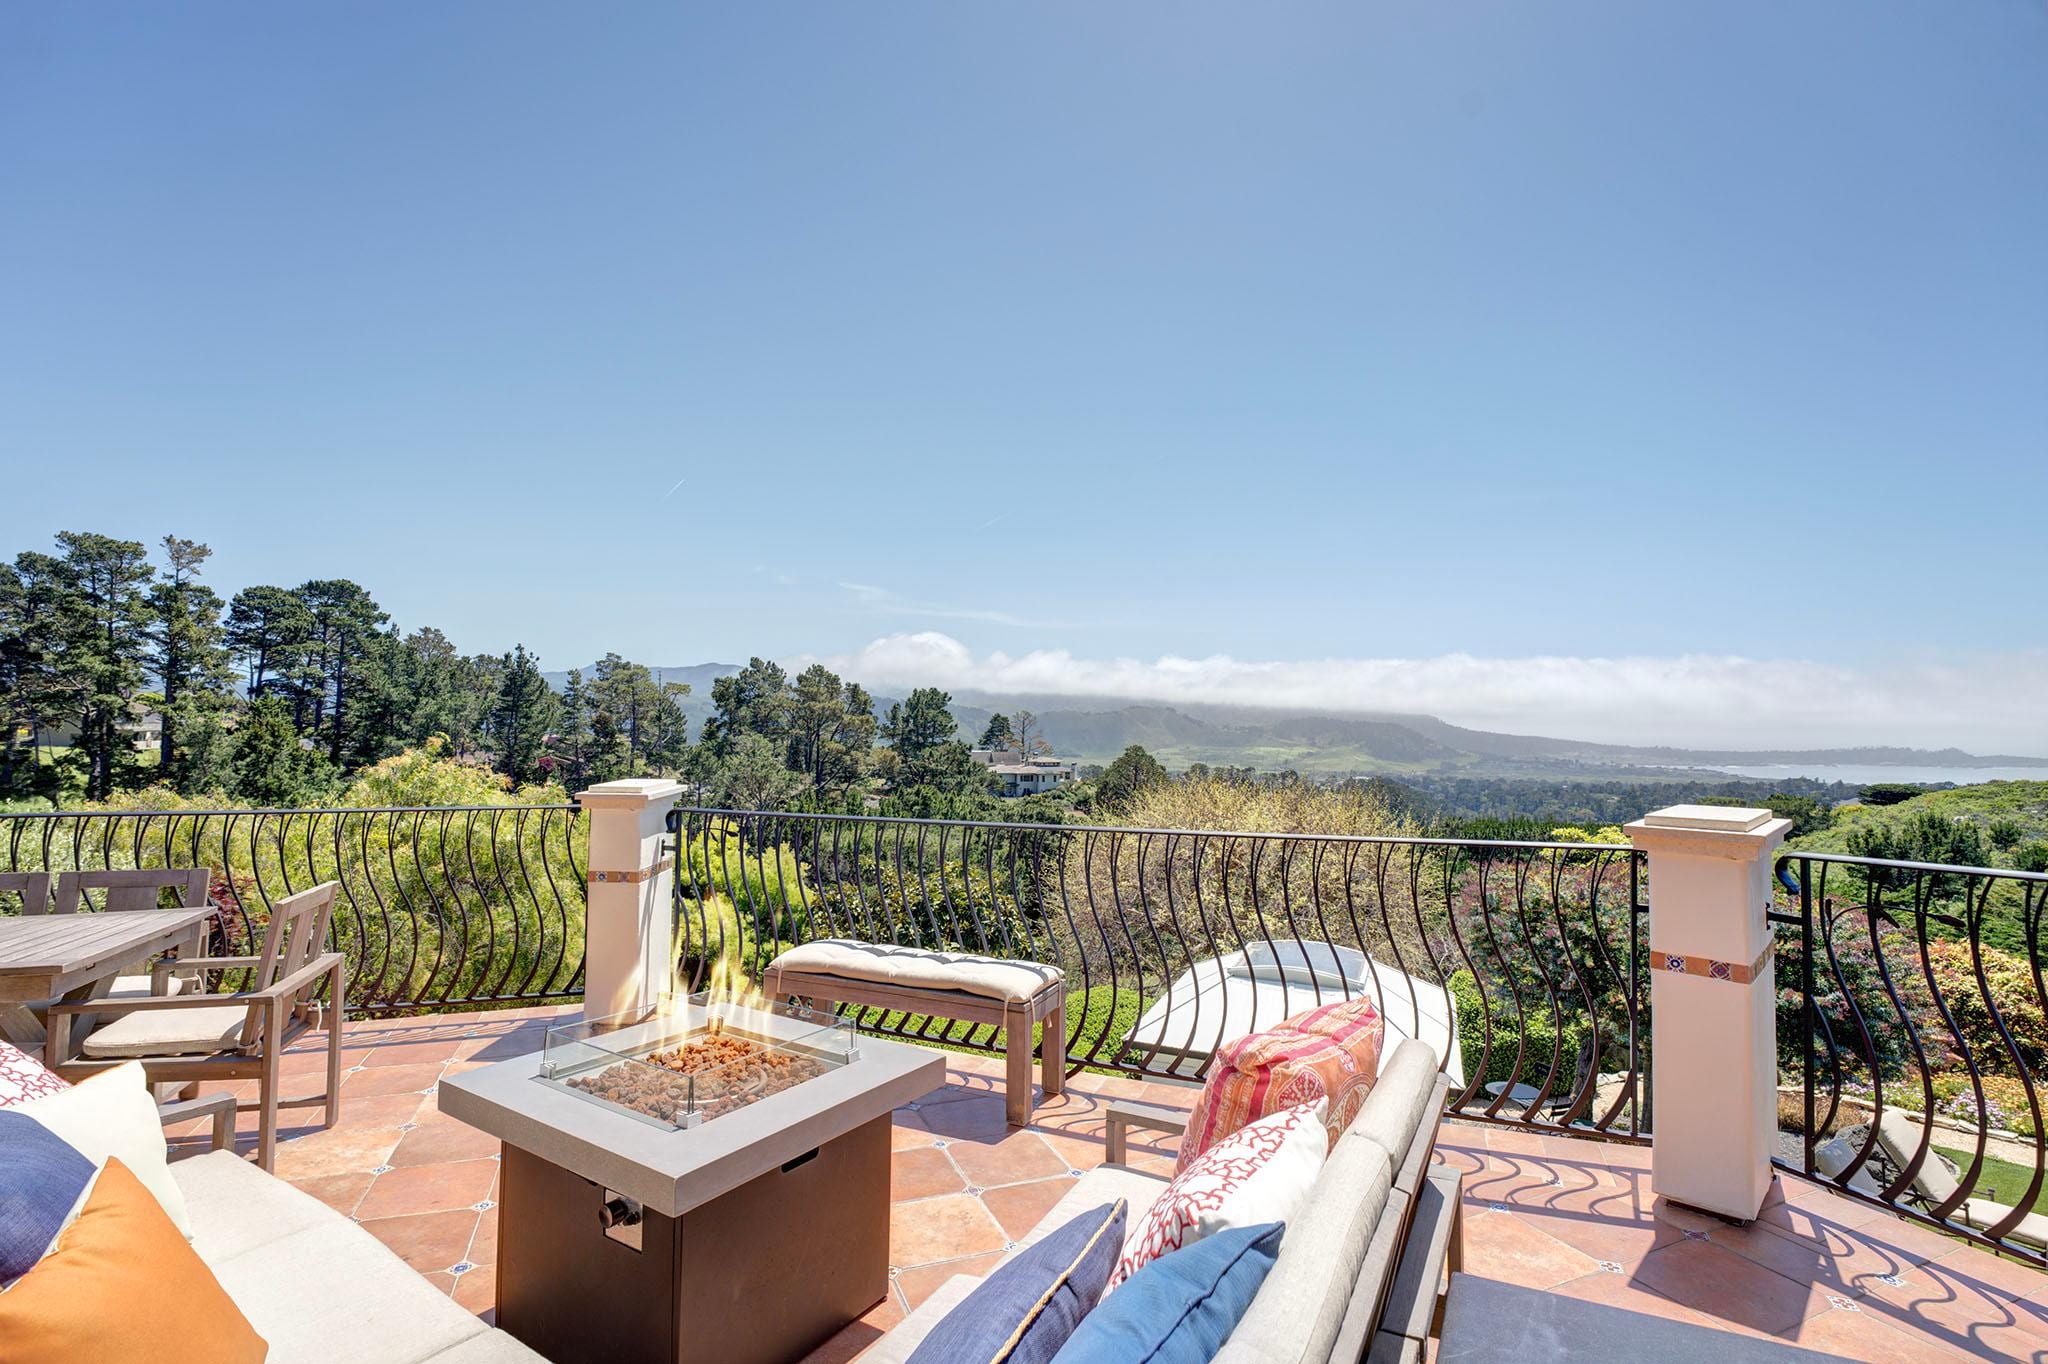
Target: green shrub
point(1534, 1030)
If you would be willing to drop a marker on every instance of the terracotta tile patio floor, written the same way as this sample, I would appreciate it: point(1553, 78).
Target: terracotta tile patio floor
point(1560, 1214)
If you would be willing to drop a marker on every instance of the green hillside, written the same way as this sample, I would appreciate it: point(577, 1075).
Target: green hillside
point(2006, 817)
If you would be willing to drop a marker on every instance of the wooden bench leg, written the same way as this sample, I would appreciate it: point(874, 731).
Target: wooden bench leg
point(1052, 1050)
point(1017, 1073)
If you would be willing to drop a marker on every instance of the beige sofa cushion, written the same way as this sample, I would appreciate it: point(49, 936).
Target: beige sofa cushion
point(332, 1291)
point(492, 1347)
point(315, 1285)
point(1103, 1184)
point(235, 1207)
point(997, 978)
point(1393, 1111)
point(170, 1032)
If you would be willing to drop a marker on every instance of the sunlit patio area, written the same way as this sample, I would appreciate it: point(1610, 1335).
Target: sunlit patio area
point(1562, 1215)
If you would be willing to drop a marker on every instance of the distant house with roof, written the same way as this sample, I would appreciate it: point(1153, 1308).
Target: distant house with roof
point(1018, 774)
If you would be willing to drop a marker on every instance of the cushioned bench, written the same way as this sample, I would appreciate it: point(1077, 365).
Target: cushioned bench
point(1362, 1263)
point(1012, 995)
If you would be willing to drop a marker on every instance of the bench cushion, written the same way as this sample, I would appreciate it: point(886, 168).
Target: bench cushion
point(914, 968)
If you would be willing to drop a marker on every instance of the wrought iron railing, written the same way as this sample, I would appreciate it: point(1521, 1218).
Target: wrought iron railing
point(1913, 1022)
point(441, 907)
point(1522, 963)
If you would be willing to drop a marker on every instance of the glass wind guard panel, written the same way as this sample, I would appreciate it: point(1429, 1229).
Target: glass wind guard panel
point(693, 1058)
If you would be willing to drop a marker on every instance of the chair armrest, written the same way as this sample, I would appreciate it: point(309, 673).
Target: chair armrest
point(220, 1107)
point(310, 974)
point(192, 966)
point(109, 1007)
point(1123, 1114)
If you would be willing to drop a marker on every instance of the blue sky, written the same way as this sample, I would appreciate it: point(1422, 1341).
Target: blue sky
point(1692, 340)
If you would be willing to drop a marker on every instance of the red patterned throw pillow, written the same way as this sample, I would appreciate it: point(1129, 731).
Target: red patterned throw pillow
point(1260, 1173)
point(1329, 1053)
point(22, 1077)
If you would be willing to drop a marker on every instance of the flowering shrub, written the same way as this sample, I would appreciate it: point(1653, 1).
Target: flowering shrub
point(2011, 983)
point(2005, 1102)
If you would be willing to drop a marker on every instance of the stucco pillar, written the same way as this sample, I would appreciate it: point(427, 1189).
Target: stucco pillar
point(1713, 1004)
point(629, 930)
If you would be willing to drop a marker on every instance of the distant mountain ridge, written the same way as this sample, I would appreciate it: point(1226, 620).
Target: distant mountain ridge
point(1093, 730)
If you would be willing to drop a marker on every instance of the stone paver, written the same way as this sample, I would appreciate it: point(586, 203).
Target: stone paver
point(1814, 1270)
point(1560, 1214)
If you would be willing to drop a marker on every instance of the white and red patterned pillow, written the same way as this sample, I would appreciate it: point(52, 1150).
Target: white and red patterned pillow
point(1260, 1173)
point(22, 1077)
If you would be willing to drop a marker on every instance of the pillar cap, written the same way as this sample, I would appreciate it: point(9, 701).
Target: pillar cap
point(1709, 831)
point(629, 793)
point(1720, 819)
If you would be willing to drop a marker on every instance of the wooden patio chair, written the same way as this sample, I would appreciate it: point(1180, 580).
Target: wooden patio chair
point(19, 1023)
point(133, 890)
point(187, 1038)
point(32, 886)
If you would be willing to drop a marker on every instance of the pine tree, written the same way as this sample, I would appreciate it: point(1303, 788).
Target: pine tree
point(192, 665)
point(268, 628)
point(38, 688)
point(523, 716)
point(270, 765)
point(106, 647)
point(997, 734)
point(344, 623)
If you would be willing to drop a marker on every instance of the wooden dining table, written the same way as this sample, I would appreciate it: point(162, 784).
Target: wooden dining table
point(75, 957)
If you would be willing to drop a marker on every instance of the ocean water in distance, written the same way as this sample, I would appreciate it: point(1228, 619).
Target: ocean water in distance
point(1865, 774)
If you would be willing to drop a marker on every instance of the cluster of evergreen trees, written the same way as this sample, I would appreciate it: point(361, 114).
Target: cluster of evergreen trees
point(773, 741)
point(274, 695)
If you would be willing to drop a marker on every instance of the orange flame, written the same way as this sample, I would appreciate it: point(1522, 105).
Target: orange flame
point(729, 993)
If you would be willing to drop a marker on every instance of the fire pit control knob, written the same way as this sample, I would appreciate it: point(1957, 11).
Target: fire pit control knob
point(618, 1211)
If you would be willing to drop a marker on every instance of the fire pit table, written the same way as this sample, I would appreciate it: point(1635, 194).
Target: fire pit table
point(701, 1182)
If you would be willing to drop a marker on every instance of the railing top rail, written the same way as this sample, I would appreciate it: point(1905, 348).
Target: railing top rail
point(1385, 839)
point(571, 806)
point(1944, 868)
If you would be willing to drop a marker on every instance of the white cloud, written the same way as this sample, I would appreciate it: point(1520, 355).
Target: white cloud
point(1988, 703)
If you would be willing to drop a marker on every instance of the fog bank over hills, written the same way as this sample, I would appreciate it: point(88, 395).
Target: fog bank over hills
point(1096, 729)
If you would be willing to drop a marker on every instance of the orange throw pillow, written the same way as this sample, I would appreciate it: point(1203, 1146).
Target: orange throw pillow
point(122, 1284)
point(1328, 1053)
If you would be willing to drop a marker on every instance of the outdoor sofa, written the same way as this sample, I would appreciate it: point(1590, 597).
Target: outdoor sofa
point(1359, 1268)
point(312, 1283)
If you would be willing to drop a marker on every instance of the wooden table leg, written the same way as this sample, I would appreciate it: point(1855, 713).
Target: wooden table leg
point(1052, 1049)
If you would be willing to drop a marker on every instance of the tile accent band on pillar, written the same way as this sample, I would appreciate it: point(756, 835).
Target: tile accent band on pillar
point(632, 877)
point(1686, 965)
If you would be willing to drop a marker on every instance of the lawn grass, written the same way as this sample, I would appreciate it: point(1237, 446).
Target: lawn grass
point(2001, 1181)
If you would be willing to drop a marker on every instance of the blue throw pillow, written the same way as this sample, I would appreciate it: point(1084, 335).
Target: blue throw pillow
point(1180, 1308)
point(40, 1183)
point(1024, 1312)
